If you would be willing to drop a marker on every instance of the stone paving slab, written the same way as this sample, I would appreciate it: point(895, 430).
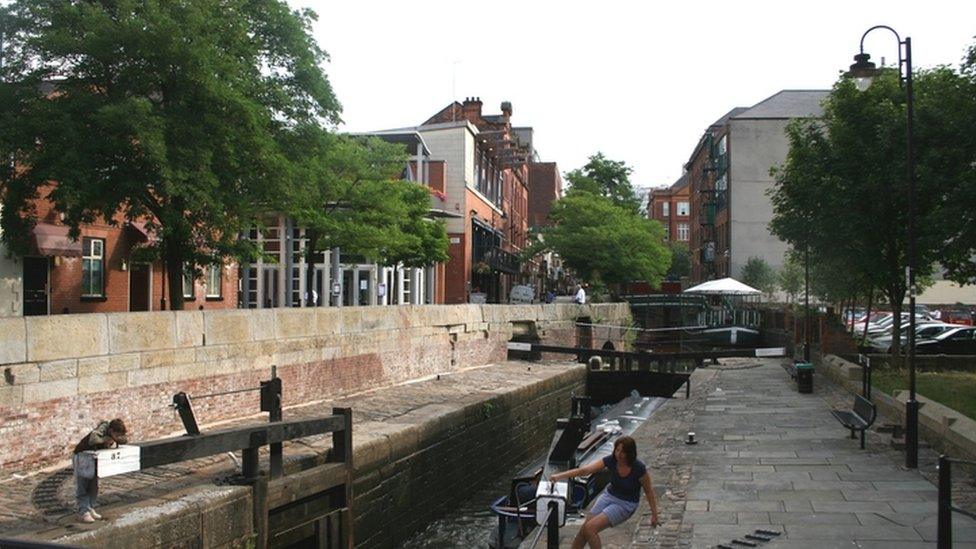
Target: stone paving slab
point(771, 458)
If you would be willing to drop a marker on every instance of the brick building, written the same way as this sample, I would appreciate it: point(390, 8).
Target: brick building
point(486, 188)
point(101, 271)
point(671, 206)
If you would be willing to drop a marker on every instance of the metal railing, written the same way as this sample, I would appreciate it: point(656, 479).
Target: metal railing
point(946, 508)
point(551, 530)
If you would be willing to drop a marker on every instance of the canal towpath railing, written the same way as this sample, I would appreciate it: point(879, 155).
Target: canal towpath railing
point(946, 508)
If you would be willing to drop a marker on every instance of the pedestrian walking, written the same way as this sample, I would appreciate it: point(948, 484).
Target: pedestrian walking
point(622, 496)
point(580, 296)
point(107, 434)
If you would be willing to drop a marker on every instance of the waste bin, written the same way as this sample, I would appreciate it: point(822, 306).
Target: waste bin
point(804, 377)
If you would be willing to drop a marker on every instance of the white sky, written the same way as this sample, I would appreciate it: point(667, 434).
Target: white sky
point(637, 80)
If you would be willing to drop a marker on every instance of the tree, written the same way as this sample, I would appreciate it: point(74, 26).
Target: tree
point(790, 277)
point(758, 274)
point(607, 178)
point(680, 260)
point(843, 187)
point(604, 243)
point(348, 194)
point(174, 111)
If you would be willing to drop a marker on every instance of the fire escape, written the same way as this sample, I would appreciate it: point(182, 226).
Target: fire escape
point(713, 191)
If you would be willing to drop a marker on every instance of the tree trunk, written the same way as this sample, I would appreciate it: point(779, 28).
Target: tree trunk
point(173, 255)
point(896, 306)
point(867, 317)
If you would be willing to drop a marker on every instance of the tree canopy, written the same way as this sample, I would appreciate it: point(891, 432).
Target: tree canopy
point(758, 274)
point(680, 260)
point(174, 111)
point(843, 188)
point(604, 243)
point(607, 178)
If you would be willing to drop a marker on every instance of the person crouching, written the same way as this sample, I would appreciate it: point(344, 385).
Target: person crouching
point(107, 434)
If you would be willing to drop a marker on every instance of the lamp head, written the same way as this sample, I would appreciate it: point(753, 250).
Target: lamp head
point(862, 71)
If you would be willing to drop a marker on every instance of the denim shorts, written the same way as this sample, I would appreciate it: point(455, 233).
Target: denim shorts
point(617, 510)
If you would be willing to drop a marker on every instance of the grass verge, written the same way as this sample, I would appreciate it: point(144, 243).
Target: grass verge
point(956, 390)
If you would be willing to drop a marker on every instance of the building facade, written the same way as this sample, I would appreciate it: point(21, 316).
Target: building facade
point(730, 176)
point(105, 270)
point(486, 185)
point(671, 206)
point(341, 278)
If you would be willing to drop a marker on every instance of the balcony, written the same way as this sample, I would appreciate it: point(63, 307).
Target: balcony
point(500, 260)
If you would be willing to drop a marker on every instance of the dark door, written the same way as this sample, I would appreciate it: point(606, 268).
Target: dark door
point(35, 286)
point(139, 276)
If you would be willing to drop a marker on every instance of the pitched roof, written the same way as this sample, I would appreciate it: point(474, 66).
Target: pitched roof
point(725, 117)
point(787, 104)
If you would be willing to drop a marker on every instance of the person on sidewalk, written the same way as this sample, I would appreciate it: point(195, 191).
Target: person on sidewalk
point(107, 434)
point(622, 496)
point(580, 296)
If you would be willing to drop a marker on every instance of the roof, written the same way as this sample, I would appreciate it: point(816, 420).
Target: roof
point(681, 182)
point(402, 136)
point(787, 104)
point(725, 117)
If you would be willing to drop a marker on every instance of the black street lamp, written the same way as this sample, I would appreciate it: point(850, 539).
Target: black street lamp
point(863, 70)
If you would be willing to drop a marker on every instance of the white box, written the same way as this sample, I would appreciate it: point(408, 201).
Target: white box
point(547, 493)
point(115, 461)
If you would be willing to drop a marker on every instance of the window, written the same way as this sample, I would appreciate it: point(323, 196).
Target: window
point(683, 232)
point(93, 267)
point(665, 209)
point(683, 208)
point(667, 232)
point(213, 280)
point(188, 280)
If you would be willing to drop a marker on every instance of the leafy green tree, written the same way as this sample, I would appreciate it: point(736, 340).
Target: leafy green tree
point(790, 277)
point(604, 243)
point(607, 178)
point(176, 111)
point(680, 260)
point(349, 194)
point(843, 188)
point(758, 274)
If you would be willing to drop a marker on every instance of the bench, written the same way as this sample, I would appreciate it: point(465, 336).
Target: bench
point(858, 419)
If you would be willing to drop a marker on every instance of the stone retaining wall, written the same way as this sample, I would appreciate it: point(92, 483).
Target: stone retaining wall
point(61, 374)
point(941, 426)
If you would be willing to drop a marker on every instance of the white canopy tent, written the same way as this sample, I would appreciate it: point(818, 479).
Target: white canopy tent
point(723, 286)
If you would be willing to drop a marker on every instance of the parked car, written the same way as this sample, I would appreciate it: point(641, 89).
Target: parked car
point(957, 341)
point(928, 330)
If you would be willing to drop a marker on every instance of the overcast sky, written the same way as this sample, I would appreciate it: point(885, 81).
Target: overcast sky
point(637, 80)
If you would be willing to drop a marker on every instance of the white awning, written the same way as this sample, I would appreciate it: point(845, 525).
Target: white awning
point(723, 286)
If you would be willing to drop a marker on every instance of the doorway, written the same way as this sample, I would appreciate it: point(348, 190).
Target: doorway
point(140, 278)
point(36, 286)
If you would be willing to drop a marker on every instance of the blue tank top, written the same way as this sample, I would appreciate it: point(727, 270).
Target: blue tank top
point(628, 487)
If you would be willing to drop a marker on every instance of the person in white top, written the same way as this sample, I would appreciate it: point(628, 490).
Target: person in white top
point(580, 296)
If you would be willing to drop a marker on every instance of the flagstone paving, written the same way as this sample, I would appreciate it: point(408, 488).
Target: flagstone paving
point(771, 458)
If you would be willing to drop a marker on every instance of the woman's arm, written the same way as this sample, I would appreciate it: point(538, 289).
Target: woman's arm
point(588, 469)
point(651, 498)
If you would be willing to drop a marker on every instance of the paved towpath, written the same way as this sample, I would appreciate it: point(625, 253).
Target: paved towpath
point(771, 458)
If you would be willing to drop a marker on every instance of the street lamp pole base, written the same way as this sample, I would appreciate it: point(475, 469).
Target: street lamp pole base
point(911, 434)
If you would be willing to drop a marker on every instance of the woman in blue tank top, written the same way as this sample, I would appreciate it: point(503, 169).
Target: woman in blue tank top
point(622, 496)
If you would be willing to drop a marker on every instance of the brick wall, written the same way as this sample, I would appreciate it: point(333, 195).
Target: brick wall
point(61, 374)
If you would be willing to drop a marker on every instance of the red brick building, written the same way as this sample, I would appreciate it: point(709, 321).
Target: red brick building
point(101, 271)
point(487, 189)
point(671, 206)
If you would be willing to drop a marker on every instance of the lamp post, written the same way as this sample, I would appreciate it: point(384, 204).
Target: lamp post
point(806, 302)
point(863, 71)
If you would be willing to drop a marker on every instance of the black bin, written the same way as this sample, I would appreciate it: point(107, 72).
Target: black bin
point(804, 377)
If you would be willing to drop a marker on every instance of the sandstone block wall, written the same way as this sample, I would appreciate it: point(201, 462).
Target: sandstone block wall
point(62, 374)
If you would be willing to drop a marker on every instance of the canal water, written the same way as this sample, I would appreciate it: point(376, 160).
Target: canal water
point(470, 524)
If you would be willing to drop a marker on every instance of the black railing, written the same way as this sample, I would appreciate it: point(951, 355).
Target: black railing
point(946, 508)
point(500, 260)
point(551, 529)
